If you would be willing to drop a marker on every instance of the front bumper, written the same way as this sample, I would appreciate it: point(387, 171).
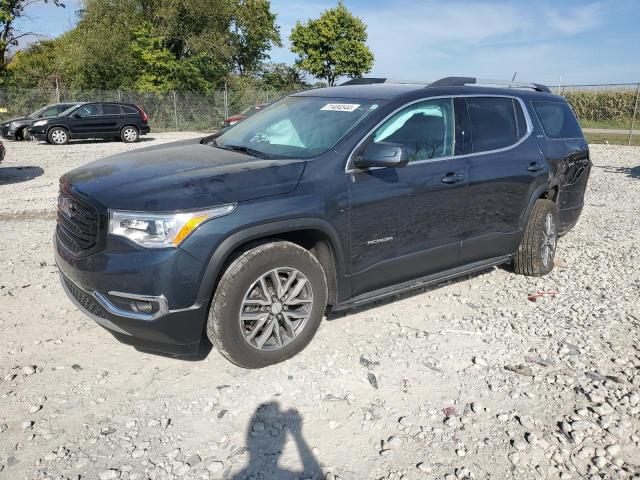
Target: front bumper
point(95, 284)
point(8, 133)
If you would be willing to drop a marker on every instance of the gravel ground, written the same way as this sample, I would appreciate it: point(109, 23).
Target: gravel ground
point(466, 380)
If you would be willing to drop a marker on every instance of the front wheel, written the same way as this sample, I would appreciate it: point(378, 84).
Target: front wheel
point(58, 136)
point(129, 134)
point(268, 305)
point(537, 250)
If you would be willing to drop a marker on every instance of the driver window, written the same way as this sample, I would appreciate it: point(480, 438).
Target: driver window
point(425, 129)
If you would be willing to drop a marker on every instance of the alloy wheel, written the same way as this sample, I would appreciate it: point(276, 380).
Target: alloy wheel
point(549, 239)
point(276, 308)
point(130, 134)
point(59, 136)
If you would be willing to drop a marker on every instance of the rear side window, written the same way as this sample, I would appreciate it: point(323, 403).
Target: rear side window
point(111, 109)
point(557, 119)
point(496, 122)
point(130, 110)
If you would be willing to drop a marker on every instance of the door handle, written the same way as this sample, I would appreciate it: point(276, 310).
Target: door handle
point(535, 167)
point(452, 177)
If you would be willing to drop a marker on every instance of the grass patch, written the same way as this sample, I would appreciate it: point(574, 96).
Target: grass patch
point(622, 123)
point(613, 138)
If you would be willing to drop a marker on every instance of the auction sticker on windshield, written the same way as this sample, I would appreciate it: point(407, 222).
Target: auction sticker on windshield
point(340, 107)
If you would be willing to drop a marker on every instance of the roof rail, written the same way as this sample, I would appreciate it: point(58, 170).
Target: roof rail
point(373, 80)
point(463, 81)
point(363, 81)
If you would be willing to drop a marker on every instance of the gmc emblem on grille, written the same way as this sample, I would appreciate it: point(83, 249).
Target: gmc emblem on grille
point(66, 206)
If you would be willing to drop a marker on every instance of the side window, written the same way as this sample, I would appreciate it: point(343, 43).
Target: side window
point(494, 123)
point(90, 110)
point(425, 129)
point(111, 109)
point(50, 112)
point(557, 119)
point(129, 110)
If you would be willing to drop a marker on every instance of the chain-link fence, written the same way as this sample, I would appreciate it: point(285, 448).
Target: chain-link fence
point(607, 112)
point(179, 111)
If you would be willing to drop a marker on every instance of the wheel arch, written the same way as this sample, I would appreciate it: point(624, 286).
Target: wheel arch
point(315, 235)
point(549, 192)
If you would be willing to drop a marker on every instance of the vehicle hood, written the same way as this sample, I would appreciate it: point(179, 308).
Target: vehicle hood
point(18, 119)
point(183, 175)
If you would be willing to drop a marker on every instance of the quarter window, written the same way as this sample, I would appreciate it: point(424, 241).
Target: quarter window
point(425, 129)
point(557, 119)
point(129, 110)
point(496, 122)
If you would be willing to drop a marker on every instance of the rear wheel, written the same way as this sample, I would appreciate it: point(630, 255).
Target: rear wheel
point(58, 136)
point(537, 250)
point(129, 134)
point(268, 305)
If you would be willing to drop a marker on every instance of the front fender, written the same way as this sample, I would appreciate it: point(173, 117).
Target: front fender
point(231, 243)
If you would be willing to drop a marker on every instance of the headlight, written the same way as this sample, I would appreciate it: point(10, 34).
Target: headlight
point(160, 230)
point(39, 123)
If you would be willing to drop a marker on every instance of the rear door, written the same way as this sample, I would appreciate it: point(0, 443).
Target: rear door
point(407, 222)
point(505, 168)
point(111, 120)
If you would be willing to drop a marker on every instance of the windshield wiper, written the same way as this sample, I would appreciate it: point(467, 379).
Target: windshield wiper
point(240, 148)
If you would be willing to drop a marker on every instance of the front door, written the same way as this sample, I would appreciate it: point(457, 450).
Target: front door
point(85, 121)
point(407, 222)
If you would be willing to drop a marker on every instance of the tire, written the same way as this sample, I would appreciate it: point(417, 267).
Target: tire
point(129, 134)
point(538, 247)
point(58, 136)
point(232, 320)
point(19, 135)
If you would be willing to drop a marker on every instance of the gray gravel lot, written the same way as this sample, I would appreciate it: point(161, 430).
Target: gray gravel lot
point(466, 380)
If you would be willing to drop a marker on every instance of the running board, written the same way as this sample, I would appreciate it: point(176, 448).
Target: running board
point(421, 282)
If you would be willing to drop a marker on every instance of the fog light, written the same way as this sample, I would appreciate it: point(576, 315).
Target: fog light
point(142, 306)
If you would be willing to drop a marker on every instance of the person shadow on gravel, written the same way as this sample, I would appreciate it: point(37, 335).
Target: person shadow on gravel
point(266, 438)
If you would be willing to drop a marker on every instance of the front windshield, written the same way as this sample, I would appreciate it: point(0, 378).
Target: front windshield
point(297, 127)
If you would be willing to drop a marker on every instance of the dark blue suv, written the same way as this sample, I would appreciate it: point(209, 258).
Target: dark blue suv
point(326, 199)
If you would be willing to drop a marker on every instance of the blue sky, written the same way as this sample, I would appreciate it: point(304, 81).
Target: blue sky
point(580, 41)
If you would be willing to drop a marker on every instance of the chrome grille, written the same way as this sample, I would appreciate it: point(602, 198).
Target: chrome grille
point(77, 225)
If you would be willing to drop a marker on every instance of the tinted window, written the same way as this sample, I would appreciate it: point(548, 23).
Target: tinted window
point(110, 109)
point(50, 112)
point(426, 129)
point(129, 110)
point(493, 123)
point(557, 119)
point(88, 110)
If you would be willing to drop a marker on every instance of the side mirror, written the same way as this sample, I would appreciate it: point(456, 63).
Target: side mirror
point(390, 155)
point(77, 115)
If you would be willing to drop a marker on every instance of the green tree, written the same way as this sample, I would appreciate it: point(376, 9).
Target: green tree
point(252, 32)
point(10, 11)
point(332, 46)
point(283, 77)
